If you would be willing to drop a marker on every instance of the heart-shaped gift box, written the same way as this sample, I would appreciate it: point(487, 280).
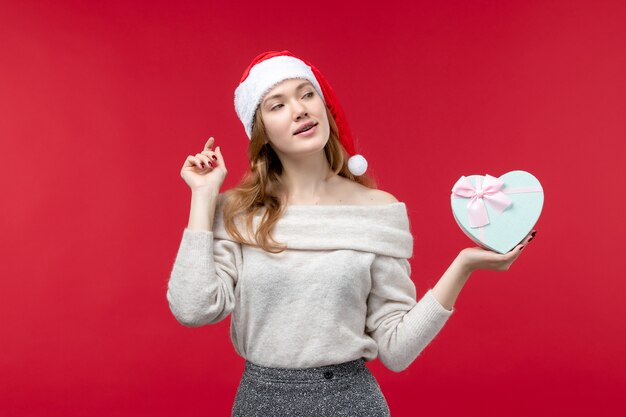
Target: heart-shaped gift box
point(497, 213)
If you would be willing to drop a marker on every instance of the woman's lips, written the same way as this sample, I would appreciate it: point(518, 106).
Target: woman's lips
point(308, 132)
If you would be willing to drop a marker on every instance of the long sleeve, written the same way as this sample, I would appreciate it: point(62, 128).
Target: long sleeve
point(201, 288)
point(401, 326)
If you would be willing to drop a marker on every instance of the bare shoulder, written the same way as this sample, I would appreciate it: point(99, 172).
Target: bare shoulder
point(380, 197)
point(363, 195)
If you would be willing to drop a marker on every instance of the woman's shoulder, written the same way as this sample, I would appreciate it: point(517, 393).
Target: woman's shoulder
point(345, 191)
point(381, 197)
point(362, 195)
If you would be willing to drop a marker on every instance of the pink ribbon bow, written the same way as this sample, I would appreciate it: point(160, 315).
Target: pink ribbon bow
point(490, 192)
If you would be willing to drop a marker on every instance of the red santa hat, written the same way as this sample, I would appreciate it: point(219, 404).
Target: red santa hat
point(272, 67)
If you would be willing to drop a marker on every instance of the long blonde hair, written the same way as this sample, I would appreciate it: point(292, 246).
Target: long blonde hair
point(261, 186)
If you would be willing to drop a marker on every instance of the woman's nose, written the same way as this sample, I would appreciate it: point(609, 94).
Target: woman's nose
point(300, 110)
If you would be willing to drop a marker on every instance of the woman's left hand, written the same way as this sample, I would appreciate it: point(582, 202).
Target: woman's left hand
point(476, 258)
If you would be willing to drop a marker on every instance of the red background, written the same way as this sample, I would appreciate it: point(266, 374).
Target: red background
point(101, 102)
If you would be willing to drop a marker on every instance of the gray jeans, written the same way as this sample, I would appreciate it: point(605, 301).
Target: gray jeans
point(346, 389)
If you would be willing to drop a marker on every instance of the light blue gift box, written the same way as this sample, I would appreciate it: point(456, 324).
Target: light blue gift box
point(510, 205)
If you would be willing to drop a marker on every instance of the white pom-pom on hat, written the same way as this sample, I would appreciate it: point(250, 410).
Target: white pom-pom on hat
point(357, 165)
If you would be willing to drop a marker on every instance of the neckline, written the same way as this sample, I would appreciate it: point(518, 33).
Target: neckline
point(288, 206)
point(378, 228)
point(299, 208)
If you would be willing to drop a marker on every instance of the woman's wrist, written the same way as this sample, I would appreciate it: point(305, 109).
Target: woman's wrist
point(463, 264)
point(202, 211)
point(447, 289)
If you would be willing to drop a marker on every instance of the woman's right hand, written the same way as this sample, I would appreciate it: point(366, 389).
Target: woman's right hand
point(206, 170)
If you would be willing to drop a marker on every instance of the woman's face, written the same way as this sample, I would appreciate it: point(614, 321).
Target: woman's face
point(286, 108)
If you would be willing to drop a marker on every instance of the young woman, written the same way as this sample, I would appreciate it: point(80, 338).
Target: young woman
point(308, 256)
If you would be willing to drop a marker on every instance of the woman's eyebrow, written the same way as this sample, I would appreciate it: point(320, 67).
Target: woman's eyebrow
point(280, 95)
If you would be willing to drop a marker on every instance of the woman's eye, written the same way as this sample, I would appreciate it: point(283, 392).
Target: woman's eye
point(309, 94)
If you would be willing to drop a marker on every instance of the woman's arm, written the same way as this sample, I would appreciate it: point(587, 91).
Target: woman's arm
point(452, 281)
point(202, 210)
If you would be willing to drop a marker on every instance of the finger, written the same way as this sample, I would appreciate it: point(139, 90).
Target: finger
point(530, 236)
point(527, 238)
point(191, 162)
point(200, 163)
point(211, 156)
point(220, 158)
point(514, 253)
point(205, 160)
point(209, 144)
point(188, 161)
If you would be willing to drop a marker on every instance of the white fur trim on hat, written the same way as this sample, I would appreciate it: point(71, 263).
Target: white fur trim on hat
point(262, 77)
